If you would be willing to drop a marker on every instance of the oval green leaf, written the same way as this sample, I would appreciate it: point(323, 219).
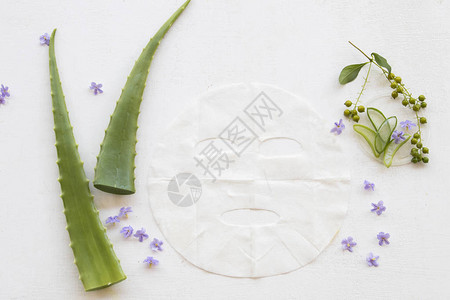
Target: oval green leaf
point(349, 73)
point(382, 61)
point(384, 134)
point(392, 149)
point(368, 134)
point(376, 117)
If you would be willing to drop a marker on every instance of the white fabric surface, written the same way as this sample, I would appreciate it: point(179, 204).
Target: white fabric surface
point(300, 46)
point(307, 189)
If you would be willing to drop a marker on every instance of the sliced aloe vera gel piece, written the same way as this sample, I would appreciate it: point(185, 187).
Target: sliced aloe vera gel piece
point(94, 255)
point(392, 149)
point(376, 117)
point(114, 172)
point(369, 135)
point(384, 134)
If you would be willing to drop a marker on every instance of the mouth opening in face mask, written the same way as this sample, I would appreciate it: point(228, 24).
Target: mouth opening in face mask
point(250, 217)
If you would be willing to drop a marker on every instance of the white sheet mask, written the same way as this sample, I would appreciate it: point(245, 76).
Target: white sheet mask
point(249, 182)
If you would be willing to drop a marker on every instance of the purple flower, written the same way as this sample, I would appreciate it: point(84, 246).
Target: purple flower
point(348, 244)
point(127, 231)
point(2, 99)
point(4, 91)
point(372, 260)
point(124, 211)
point(338, 127)
point(156, 245)
point(378, 208)
point(96, 87)
point(45, 39)
point(407, 124)
point(151, 261)
point(369, 185)
point(112, 220)
point(141, 235)
point(383, 238)
point(398, 136)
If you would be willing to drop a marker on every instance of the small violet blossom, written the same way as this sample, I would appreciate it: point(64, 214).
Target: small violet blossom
point(112, 220)
point(372, 260)
point(4, 91)
point(45, 39)
point(96, 87)
point(151, 261)
point(141, 235)
point(369, 185)
point(348, 244)
point(383, 238)
point(398, 136)
point(407, 124)
point(127, 231)
point(124, 211)
point(2, 99)
point(156, 244)
point(379, 208)
point(338, 127)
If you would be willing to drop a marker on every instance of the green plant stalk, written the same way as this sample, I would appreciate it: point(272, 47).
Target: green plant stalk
point(94, 255)
point(114, 172)
point(386, 73)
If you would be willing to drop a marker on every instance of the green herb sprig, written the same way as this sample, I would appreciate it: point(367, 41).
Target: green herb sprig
point(349, 73)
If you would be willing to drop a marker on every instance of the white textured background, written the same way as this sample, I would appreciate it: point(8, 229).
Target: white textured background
point(298, 45)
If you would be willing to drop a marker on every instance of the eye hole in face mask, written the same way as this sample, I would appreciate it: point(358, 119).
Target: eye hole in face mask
point(250, 216)
point(280, 146)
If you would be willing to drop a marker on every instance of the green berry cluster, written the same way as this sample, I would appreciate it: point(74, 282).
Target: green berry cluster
point(418, 151)
point(353, 113)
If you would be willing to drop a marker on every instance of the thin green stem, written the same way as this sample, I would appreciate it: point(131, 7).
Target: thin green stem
point(369, 58)
point(364, 85)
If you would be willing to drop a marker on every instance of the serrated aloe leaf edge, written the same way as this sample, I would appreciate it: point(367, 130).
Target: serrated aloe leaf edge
point(114, 172)
point(95, 259)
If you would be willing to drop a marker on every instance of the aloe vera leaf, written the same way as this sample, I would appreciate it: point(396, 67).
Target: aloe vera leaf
point(376, 117)
point(114, 172)
point(384, 134)
point(392, 149)
point(94, 256)
point(368, 134)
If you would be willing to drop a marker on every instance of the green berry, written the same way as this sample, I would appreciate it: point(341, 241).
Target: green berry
point(347, 112)
point(425, 159)
point(394, 94)
point(416, 135)
point(423, 120)
point(425, 150)
point(422, 98)
point(391, 76)
point(412, 100)
point(348, 103)
point(393, 84)
point(423, 104)
point(419, 145)
point(415, 160)
point(361, 108)
point(354, 112)
point(416, 107)
point(405, 102)
point(398, 79)
point(414, 151)
point(356, 118)
point(413, 141)
point(399, 89)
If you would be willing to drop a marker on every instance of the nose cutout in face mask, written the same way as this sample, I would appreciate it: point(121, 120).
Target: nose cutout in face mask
point(248, 182)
